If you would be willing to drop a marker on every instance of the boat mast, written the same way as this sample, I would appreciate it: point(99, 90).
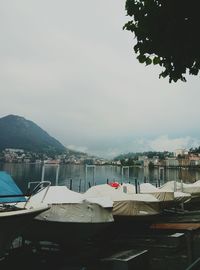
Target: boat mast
point(57, 173)
point(86, 174)
point(43, 172)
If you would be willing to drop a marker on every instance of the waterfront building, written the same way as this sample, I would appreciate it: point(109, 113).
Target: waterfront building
point(172, 162)
point(146, 163)
point(184, 162)
point(180, 152)
point(14, 150)
point(194, 160)
point(142, 158)
point(155, 160)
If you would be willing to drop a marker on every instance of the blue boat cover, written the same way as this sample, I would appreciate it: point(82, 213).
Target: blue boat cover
point(9, 187)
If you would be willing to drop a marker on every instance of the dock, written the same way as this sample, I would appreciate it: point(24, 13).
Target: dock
point(165, 246)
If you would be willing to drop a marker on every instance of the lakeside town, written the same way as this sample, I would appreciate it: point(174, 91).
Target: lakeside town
point(178, 158)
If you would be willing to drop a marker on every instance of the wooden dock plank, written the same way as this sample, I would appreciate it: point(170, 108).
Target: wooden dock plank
point(176, 226)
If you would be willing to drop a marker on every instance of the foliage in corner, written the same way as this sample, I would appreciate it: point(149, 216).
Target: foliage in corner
point(167, 33)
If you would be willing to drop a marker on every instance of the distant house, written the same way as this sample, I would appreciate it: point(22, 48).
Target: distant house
point(117, 162)
point(27, 160)
point(180, 152)
point(146, 163)
point(13, 150)
point(52, 161)
point(194, 160)
point(155, 160)
point(142, 158)
point(184, 162)
point(172, 162)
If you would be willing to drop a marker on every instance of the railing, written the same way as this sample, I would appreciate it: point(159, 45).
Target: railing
point(38, 188)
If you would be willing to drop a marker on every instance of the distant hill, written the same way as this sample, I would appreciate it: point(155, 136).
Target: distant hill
point(149, 154)
point(17, 132)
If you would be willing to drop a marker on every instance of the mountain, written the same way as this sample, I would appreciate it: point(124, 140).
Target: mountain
point(17, 132)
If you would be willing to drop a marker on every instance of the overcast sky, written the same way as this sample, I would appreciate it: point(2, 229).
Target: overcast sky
point(69, 67)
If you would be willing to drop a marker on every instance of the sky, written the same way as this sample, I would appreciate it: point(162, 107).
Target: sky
point(70, 67)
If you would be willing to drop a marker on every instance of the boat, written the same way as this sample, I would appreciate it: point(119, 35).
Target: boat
point(15, 215)
point(134, 206)
point(188, 194)
point(168, 197)
point(71, 220)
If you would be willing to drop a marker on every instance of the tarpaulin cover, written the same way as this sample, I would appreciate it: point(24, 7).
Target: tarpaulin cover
point(147, 188)
point(177, 188)
point(70, 206)
point(62, 195)
point(8, 187)
point(126, 204)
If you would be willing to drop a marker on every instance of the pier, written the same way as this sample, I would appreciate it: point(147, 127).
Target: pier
point(154, 247)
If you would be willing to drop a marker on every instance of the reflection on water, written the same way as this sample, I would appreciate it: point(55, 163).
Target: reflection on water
point(24, 173)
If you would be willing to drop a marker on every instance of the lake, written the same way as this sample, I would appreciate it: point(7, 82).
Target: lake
point(24, 173)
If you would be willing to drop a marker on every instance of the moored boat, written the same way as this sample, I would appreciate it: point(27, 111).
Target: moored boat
point(188, 194)
point(15, 215)
point(168, 197)
point(71, 219)
point(134, 206)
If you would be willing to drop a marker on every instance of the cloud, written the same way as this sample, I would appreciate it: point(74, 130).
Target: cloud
point(165, 143)
point(77, 77)
point(83, 149)
point(160, 143)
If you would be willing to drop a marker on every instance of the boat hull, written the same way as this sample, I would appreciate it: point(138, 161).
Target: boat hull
point(70, 224)
point(12, 225)
point(67, 234)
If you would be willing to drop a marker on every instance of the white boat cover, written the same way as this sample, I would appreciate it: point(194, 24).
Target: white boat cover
point(172, 186)
point(104, 202)
point(197, 183)
point(163, 195)
point(116, 194)
point(62, 195)
point(68, 206)
point(84, 212)
point(180, 196)
point(192, 188)
point(126, 204)
point(127, 188)
point(147, 188)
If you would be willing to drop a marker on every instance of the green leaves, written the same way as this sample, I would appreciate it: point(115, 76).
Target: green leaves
point(156, 60)
point(142, 58)
point(148, 61)
point(164, 38)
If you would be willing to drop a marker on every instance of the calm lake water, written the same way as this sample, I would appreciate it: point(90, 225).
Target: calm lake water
point(24, 173)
